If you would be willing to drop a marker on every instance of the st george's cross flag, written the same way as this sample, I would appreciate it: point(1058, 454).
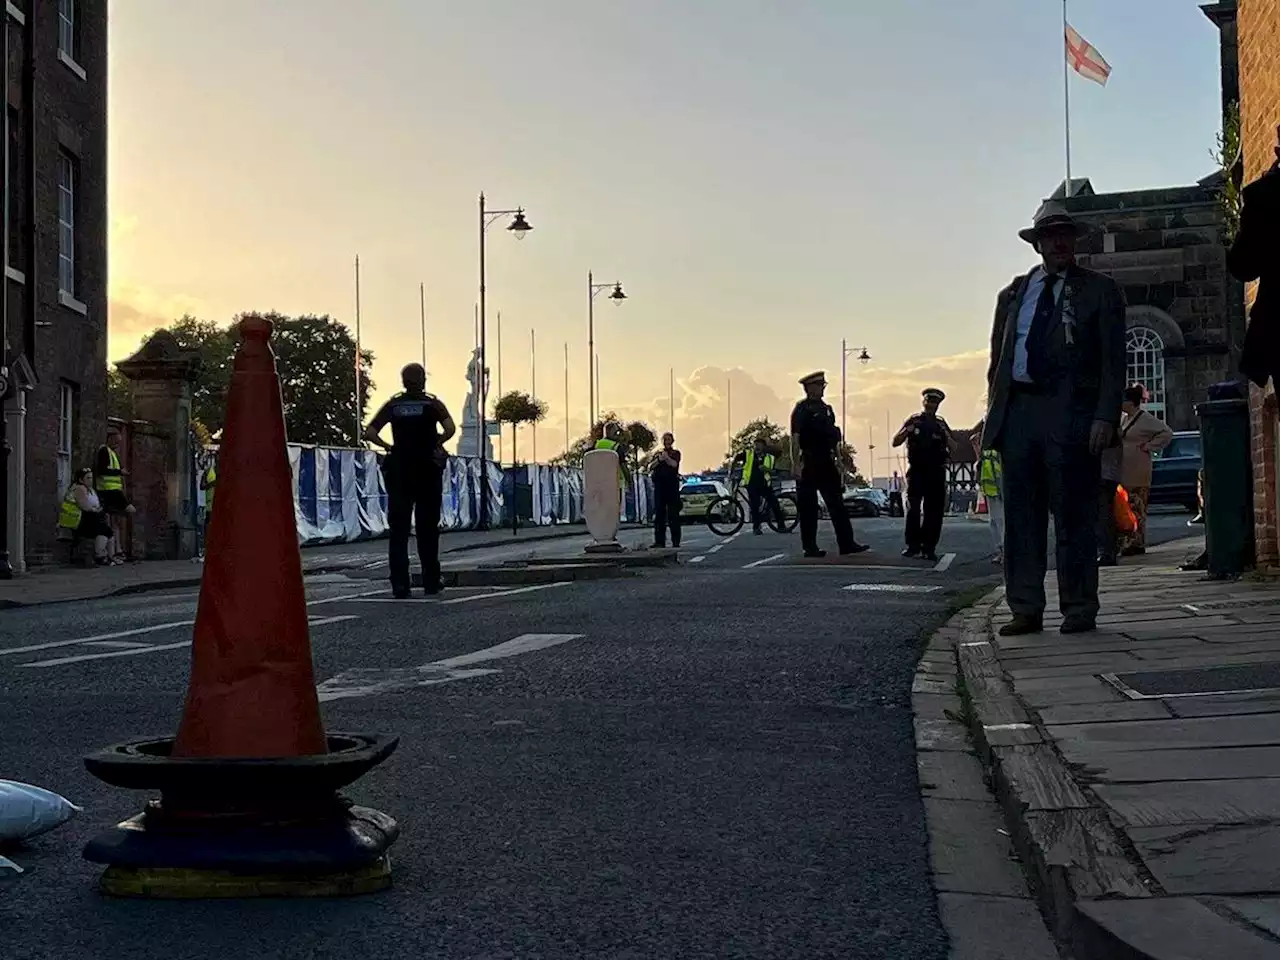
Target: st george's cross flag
point(1085, 59)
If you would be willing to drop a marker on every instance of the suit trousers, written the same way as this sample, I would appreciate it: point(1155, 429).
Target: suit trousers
point(820, 476)
point(1107, 533)
point(414, 493)
point(756, 493)
point(926, 501)
point(1048, 469)
point(666, 513)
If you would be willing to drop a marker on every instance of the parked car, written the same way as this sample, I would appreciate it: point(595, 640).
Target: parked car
point(1174, 471)
point(865, 502)
point(696, 496)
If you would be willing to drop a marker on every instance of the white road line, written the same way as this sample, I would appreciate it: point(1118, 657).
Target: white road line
point(117, 644)
point(506, 593)
point(761, 563)
point(698, 559)
point(397, 600)
point(944, 563)
point(367, 682)
point(136, 631)
point(717, 548)
point(888, 588)
point(152, 649)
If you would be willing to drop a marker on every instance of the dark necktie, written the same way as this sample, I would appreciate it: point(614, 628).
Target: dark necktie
point(1037, 336)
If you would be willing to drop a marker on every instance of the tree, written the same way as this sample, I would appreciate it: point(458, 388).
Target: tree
point(515, 408)
point(119, 395)
point(637, 435)
point(315, 359)
point(779, 442)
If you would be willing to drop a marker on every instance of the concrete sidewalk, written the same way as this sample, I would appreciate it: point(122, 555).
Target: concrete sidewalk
point(1139, 766)
point(62, 582)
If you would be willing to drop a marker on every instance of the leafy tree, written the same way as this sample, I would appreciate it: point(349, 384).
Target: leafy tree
point(314, 357)
point(119, 395)
point(515, 408)
point(639, 437)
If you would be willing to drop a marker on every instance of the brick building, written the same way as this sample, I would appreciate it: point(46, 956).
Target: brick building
point(56, 276)
point(1185, 316)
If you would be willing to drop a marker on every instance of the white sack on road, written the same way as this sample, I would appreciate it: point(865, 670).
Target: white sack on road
point(27, 811)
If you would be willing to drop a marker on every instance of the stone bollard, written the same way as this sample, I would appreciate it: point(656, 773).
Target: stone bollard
point(602, 505)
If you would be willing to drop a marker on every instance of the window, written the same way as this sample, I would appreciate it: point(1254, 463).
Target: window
point(66, 435)
point(67, 223)
point(67, 29)
point(1144, 364)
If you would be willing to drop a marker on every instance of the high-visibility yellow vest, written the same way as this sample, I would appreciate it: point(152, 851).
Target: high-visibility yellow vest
point(991, 473)
point(604, 444)
point(210, 481)
point(111, 481)
point(749, 466)
point(69, 512)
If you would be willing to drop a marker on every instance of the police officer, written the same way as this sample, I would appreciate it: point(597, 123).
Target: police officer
point(928, 440)
point(420, 426)
point(757, 476)
point(814, 441)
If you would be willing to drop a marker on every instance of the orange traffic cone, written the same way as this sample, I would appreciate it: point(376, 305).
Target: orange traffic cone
point(252, 691)
point(982, 504)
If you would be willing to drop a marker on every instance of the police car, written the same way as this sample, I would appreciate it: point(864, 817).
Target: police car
point(696, 495)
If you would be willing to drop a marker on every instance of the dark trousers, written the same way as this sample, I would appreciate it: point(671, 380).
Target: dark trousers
point(757, 492)
point(895, 503)
point(666, 513)
point(1048, 469)
point(926, 502)
point(414, 494)
point(1107, 521)
point(819, 476)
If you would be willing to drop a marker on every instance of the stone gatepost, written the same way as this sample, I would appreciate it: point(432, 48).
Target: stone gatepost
point(160, 455)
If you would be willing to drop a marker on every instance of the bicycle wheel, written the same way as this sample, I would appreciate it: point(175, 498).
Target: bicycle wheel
point(725, 516)
point(790, 514)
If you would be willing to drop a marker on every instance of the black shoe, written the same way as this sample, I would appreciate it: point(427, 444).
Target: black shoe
point(432, 588)
point(930, 556)
point(1197, 519)
point(815, 553)
point(1078, 625)
point(400, 593)
point(856, 548)
point(911, 552)
point(1020, 626)
point(1106, 561)
point(1133, 551)
point(758, 533)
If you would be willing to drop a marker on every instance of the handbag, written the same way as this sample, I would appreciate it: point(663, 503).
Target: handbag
point(1126, 521)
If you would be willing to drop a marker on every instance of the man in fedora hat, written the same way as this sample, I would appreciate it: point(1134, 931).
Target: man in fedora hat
point(1054, 382)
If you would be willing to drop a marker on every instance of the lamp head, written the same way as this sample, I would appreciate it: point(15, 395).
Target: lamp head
point(864, 357)
point(617, 296)
point(519, 225)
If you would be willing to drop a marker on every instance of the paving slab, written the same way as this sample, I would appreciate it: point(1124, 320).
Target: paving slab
point(1175, 928)
point(936, 706)
point(1261, 912)
point(970, 850)
point(941, 735)
point(1215, 859)
point(1193, 801)
point(1210, 763)
point(1105, 712)
point(994, 928)
point(1226, 705)
point(950, 775)
point(1246, 731)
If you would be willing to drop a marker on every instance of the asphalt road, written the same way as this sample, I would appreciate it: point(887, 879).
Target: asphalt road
point(714, 760)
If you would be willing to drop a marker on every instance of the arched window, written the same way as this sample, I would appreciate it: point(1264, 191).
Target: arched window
point(1144, 363)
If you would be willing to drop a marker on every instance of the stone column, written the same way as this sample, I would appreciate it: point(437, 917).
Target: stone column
point(159, 461)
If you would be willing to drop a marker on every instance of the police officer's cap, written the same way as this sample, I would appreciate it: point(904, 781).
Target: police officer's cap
point(818, 376)
point(934, 395)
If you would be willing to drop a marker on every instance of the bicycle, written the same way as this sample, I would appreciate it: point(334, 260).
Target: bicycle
point(726, 515)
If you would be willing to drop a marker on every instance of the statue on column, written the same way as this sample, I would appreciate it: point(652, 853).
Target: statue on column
point(469, 432)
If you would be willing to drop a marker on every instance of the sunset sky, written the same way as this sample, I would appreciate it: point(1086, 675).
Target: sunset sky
point(765, 178)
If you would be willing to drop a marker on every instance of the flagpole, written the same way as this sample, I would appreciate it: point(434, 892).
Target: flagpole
point(566, 397)
point(422, 307)
point(1066, 99)
point(359, 406)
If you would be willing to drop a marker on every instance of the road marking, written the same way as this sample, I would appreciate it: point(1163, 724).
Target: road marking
point(888, 588)
point(506, 593)
point(117, 644)
point(345, 596)
point(136, 651)
point(136, 631)
point(717, 548)
point(761, 563)
point(397, 600)
point(371, 681)
point(944, 563)
point(698, 559)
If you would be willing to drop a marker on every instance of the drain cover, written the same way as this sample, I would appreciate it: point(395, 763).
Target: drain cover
point(1201, 682)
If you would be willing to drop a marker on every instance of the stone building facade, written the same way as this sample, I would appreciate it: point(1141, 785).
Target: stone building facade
point(56, 276)
point(1185, 319)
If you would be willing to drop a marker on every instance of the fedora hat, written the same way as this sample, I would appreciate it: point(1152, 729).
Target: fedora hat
point(1051, 214)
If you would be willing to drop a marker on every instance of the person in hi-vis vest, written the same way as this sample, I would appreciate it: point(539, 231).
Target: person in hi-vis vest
point(611, 439)
point(757, 477)
point(110, 476)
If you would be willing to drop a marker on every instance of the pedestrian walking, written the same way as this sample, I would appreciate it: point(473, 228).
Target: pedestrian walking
point(665, 470)
point(756, 463)
point(1055, 381)
point(815, 439)
point(928, 440)
point(413, 467)
point(1142, 433)
point(991, 481)
point(895, 495)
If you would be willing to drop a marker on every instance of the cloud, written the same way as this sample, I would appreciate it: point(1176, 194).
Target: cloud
point(133, 311)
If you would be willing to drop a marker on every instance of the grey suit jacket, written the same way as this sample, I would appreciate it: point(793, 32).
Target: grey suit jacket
point(1085, 350)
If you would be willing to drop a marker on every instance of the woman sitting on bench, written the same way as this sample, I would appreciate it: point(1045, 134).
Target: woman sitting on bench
point(82, 514)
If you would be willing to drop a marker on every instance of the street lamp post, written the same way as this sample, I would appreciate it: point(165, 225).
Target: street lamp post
point(863, 357)
point(518, 226)
point(617, 297)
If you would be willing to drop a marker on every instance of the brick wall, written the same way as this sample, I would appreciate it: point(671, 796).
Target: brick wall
point(1258, 39)
point(68, 343)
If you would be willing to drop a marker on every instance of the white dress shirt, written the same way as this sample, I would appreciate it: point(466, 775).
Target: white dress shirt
point(1026, 313)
